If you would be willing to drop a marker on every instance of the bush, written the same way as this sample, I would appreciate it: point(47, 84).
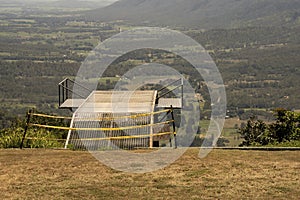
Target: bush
point(11, 138)
point(284, 130)
point(37, 138)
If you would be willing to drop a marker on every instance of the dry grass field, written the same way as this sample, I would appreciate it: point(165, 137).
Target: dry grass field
point(223, 174)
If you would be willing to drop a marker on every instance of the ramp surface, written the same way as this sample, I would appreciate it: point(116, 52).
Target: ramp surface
point(119, 102)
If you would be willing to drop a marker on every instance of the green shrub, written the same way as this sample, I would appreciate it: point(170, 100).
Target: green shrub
point(36, 137)
point(11, 138)
point(41, 138)
point(285, 131)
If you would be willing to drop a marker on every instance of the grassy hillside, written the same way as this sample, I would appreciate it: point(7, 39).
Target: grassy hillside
point(48, 174)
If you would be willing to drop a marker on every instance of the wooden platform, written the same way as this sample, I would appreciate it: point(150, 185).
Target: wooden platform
point(120, 101)
point(168, 102)
point(72, 103)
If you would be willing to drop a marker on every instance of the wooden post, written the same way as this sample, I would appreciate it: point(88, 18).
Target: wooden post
point(182, 93)
point(174, 127)
point(26, 128)
point(151, 132)
point(152, 121)
point(67, 91)
point(63, 93)
point(59, 93)
point(70, 131)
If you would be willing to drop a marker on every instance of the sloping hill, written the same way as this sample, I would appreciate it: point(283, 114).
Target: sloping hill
point(202, 13)
point(79, 3)
point(92, 4)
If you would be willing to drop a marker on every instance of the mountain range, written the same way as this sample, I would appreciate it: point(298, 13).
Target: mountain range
point(204, 14)
point(92, 4)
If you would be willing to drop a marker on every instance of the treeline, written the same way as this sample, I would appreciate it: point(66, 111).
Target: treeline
point(285, 131)
point(28, 84)
point(239, 38)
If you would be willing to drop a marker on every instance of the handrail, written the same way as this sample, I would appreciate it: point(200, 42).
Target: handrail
point(68, 79)
point(164, 94)
point(63, 81)
point(64, 90)
point(169, 85)
point(165, 87)
point(71, 91)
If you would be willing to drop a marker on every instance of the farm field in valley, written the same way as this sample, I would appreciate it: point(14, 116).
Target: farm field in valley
point(223, 174)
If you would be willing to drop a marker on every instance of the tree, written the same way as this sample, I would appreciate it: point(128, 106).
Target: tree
point(254, 133)
point(285, 129)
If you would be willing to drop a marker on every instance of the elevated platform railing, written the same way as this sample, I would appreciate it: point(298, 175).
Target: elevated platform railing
point(163, 99)
point(66, 92)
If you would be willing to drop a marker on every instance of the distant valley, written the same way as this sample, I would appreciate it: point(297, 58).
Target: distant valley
point(255, 44)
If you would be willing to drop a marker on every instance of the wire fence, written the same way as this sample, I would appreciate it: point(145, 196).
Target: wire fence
point(94, 131)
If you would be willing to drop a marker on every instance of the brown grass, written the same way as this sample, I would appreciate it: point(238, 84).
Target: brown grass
point(59, 174)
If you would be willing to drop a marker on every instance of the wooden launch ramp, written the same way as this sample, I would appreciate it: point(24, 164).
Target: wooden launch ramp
point(119, 119)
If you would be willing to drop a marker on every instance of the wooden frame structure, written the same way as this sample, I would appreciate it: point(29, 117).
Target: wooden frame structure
point(116, 104)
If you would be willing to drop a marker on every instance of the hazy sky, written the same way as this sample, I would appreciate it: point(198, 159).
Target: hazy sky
point(70, 0)
point(99, 2)
point(27, 1)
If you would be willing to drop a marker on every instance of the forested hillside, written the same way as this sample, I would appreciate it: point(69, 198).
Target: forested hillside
point(204, 14)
